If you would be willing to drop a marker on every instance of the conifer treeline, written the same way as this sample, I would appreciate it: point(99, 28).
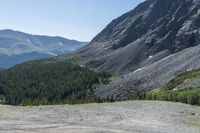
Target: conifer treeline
point(49, 82)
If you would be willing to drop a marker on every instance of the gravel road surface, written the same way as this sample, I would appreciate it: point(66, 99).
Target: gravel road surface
point(119, 117)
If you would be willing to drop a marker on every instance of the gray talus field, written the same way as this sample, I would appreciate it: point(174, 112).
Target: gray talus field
point(120, 117)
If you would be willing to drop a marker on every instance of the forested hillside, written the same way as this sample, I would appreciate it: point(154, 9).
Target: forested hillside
point(49, 82)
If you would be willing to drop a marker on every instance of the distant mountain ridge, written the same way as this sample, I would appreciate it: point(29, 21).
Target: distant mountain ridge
point(17, 47)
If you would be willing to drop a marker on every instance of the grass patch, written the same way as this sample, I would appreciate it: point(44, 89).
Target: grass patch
point(196, 125)
point(181, 78)
point(187, 95)
point(113, 78)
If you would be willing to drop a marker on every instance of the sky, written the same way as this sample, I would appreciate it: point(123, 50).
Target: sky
point(73, 19)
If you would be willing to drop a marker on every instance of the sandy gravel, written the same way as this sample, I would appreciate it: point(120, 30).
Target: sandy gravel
point(120, 117)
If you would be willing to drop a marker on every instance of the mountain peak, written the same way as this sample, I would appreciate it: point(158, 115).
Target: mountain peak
point(155, 28)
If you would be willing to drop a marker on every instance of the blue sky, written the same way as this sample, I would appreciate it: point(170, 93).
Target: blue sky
point(73, 19)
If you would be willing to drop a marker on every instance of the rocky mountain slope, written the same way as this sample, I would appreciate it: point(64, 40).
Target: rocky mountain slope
point(152, 31)
point(152, 76)
point(17, 47)
point(149, 45)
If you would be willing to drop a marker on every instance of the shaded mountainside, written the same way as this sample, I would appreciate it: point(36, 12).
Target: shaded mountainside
point(9, 61)
point(154, 30)
point(14, 45)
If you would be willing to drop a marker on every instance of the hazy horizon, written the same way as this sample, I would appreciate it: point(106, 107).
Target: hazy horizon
point(72, 19)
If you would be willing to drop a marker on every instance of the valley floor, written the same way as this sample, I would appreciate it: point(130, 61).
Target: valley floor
point(119, 117)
